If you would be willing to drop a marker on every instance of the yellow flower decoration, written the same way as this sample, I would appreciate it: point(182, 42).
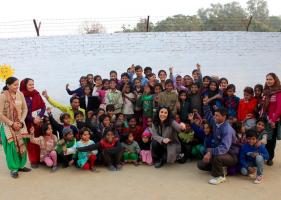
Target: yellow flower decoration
point(6, 71)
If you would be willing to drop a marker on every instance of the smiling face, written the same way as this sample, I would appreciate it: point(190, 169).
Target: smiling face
point(162, 76)
point(213, 86)
point(113, 76)
point(83, 82)
point(109, 136)
point(49, 131)
point(85, 136)
point(252, 140)
point(112, 85)
point(106, 85)
point(163, 114)
point(223, 84)
point(270, 82)
point(30, 86)
point(187, 80)
point(98, 81)
point(132, 123)
point(260, 126)
point(169, 87)
point(90, 79)
point(75, 104)
point(206, 82)
point(87, 91)
point(14, 87)
point(137, 83)
point(125, 79)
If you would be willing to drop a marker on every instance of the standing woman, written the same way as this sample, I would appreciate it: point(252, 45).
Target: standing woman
point(272, 107)
point(13, 111)
point(36, 109)
point(165, 144)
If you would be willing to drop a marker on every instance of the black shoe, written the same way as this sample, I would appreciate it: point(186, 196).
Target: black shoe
point(34, 166)
point(158, 164)
point(14, 174)
point(25, 169)
point(269, 162)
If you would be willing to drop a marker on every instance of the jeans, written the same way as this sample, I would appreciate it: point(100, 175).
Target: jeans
point(258, 163)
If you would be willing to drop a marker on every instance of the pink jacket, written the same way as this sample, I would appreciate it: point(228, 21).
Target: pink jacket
point(274, 107)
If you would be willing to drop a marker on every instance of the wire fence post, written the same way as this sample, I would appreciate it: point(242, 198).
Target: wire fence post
point(249, 23)
point(37, 27)
point(147, 24)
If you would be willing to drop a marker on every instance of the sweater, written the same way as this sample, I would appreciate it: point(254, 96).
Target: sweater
point(83, 156)
point(274, 107)
point(223, 134)
point(186, 137)
point(132, 148)
point(65, 109)
point(231, 104)
point(245, 108)
point(46, 146)
point(245, 154)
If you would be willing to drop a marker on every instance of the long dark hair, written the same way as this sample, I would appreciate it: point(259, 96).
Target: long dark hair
point(9, 81)
point(167, 122)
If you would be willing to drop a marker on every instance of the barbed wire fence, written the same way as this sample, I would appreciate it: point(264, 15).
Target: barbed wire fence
point(48, 27)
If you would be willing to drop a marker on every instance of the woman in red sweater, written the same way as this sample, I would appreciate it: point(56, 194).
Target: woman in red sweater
point(272, 107)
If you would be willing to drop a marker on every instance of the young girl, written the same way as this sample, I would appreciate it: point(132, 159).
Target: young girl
point(214, 95)
point(129, 100)
point(231, 102)
point(183, 107)
point(246, 108)
point(131, 149)
point(206, 83)
point(157, 90)
point(86, 160)
point(146, 103)
point(102, 92)
point(258, 90)
point(47, 144)
point(145, 148)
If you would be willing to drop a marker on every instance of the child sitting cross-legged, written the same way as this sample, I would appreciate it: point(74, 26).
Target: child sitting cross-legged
point(252, 156)
point(65, 156)
point(47, 144)
point(86, 160)
point(131, 149)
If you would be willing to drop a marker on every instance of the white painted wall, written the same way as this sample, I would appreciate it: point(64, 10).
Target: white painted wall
point(244, 58)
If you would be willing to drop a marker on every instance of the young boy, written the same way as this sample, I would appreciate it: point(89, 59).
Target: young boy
point(252, 156)
point(114, 97)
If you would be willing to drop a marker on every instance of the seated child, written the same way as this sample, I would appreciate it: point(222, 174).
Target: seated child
point(47, 144)
point(110, 148)
point(252, 156)
point(86, 160)
point(204, 134)
point(187, 142)
point(66, 157)
point(145, 148)
point(131, 149)
point(261, 131)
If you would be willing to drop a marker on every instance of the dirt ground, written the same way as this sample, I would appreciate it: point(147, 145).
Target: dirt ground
point(143, 182)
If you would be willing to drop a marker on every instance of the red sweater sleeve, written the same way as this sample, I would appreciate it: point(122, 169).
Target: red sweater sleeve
point(278, 108)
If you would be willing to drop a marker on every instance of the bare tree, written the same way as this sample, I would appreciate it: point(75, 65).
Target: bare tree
point(92, 27)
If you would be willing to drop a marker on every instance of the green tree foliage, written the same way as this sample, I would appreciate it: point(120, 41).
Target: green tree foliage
point(218, 17)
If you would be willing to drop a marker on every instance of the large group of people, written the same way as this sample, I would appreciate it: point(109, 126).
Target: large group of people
point(142, 119)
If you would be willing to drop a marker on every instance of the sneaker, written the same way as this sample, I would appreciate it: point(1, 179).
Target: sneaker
point(54, 168)
point(25, 169)
point(14, 174)
point(112, 168)
point(258, 180)
point(217, 180)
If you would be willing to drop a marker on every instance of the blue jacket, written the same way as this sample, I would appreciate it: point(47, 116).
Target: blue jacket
point(223, 134)
point(207, 140)
point(246, 158)
point(79, 92)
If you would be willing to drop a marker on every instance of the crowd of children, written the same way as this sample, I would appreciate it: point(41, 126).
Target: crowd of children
point(109, 121)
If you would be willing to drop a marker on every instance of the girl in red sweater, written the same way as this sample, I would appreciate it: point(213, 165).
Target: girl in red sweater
point(246, 108)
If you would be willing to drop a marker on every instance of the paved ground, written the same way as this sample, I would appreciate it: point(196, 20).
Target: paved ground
point(143, 182)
